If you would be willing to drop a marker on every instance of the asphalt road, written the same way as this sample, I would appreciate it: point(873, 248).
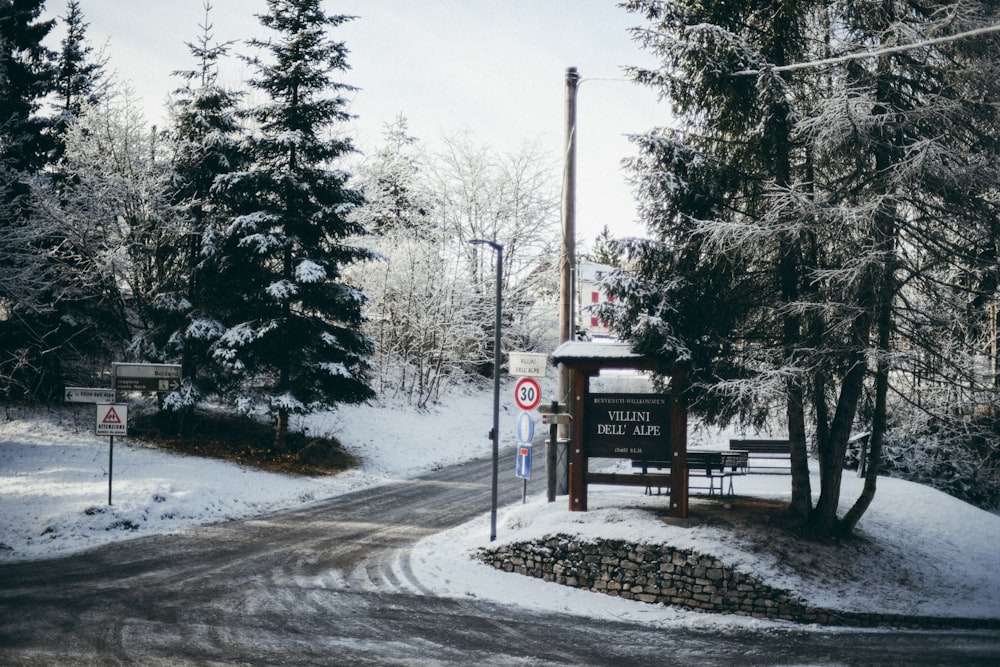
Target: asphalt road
point(330, 584)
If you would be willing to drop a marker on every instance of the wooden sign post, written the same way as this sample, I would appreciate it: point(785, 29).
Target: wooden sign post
point(636, 426)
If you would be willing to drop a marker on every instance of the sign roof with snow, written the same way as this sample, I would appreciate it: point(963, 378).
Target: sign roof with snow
point(584, 354)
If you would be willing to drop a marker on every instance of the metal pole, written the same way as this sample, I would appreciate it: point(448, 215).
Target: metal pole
point(496, 391)
point(551, 456)
point(111, 461)
point(495, 432)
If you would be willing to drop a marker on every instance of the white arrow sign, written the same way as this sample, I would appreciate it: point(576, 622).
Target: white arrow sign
point(88, 395)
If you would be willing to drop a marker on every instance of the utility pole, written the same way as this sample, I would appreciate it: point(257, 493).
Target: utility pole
point(567, 263)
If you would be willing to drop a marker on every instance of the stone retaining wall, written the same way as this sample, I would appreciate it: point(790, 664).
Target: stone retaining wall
point(661, 574)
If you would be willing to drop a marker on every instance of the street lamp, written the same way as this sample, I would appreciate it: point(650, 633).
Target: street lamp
point(495, 432)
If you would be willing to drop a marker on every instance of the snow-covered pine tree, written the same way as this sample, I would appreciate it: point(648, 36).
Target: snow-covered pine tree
point(27, 76)
point(106, 223)
point(27, 368)
point(395, 189)
point(837, 241)
point(716, 284)
point(293, 331)
point(84, 315)
point(79, 75)
point(906, 172)
point(606, 250)
point(206, 141)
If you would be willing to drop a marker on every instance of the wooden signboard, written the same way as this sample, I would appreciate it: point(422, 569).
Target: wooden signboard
point(631, 426)
point(638, 426)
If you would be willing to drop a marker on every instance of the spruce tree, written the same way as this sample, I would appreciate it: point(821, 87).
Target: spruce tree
point(206, 138)
point(811, 223)
point(79, 76)
point(715, 180)
point(293, 325)
point(27, 367)
point(27, 75)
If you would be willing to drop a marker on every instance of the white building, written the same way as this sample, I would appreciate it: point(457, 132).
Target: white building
point(588, 296)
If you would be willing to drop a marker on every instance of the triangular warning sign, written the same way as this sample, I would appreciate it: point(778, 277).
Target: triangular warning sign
point(112, 417)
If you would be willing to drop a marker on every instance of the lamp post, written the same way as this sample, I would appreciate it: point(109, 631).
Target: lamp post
point(495, 432)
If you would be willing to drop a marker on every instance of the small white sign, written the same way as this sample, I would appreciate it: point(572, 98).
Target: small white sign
point(112, 419)
point(88, 395)
point(527, 364)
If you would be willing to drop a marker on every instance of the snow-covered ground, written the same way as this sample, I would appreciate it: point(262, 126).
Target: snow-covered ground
point(920, 552)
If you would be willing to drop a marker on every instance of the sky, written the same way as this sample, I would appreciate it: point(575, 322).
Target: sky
point(919, 551)
point(494, 69)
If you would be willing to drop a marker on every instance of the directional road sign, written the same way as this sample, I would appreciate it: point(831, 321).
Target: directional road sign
point(88, 395)
point(146, 377)
point(549, 418)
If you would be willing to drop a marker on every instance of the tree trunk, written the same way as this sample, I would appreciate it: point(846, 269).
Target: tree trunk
point(833, 449)
point(879, 420)
point(884, 291)
point(850, 520)
point(281, 432)
point(801, 503)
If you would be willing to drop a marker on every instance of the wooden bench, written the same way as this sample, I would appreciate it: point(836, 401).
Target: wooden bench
point(715, 465)
point(765, 456)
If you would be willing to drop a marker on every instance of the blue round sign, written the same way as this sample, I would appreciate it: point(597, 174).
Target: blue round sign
point(525, 428)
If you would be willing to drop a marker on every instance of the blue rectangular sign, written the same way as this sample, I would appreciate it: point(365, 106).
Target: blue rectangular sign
point(524, 461)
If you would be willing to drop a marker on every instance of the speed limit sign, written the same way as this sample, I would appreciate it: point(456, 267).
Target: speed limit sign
point(527, 394)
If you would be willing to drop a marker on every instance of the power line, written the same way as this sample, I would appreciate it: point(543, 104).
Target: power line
point(879, 52)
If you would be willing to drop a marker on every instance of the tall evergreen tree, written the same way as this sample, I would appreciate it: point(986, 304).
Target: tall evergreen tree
point(294, 326)
point(79, 76)
point(719, 176)
point(27, 75)
point(809, 200)
point(606, 250)
point(207, 142)
point(394, 198)
point(906, 169)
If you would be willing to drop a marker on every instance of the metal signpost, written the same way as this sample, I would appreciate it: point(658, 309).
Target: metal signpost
point(112, 417)
point(112, 420)
point(525, 434)
point(553, 415)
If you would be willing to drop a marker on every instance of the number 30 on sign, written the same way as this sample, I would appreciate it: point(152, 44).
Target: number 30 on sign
point(527, 394)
